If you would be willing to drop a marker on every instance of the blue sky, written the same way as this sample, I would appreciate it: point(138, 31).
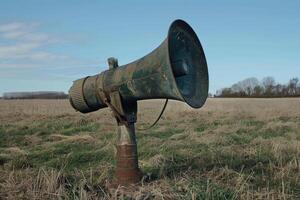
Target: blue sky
point(45, 45)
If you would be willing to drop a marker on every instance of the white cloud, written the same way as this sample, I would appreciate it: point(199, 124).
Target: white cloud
point(11, 26)
point(25, 42)
point(47, 56)
point(16, 50)
point(17, 30)
point(39, 37)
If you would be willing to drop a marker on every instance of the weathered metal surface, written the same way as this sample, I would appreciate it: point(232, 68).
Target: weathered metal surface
point(184, 46)
point(127, 169)
point(112, 63)
point(177, 70)
point(77, 98)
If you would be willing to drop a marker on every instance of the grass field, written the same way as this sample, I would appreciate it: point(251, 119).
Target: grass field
point(229, 149)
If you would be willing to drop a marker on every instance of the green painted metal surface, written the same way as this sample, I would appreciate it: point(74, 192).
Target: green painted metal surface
point(176, 70)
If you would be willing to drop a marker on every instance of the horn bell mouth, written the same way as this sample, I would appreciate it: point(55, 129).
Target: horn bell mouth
point(188, 63)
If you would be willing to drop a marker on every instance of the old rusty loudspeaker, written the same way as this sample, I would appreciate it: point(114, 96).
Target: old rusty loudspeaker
point(177, 70)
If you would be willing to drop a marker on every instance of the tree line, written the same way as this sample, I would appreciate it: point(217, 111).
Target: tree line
point(35, 95)
point(267, 87)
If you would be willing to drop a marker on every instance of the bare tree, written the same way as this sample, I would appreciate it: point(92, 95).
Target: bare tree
point(268, 83)
point(251, 87)
point(292, 86)
point(35, 95)
point(245, 87)
point(257, 91)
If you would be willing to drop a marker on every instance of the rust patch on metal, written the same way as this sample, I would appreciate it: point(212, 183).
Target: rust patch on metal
point(127, 170)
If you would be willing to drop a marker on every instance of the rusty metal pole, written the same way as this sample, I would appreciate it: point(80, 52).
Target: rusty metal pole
point(127, 169)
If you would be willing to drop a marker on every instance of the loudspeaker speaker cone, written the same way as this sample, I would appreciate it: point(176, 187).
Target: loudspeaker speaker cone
point(188, 63)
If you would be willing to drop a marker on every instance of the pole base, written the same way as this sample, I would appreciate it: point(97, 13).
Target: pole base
point(118, 191)
point(127, 170)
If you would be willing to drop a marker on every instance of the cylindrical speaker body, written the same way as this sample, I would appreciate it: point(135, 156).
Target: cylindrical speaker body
point(83, 95)
point(147, 78)
point(177, 69)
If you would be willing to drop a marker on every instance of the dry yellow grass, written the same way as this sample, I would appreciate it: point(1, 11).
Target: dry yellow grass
point(264, 108)
point(231, 148)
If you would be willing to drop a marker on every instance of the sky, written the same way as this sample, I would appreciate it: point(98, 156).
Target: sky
point(45, 45)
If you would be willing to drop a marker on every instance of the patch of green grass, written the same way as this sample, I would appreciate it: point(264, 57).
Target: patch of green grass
point(242, 136)
point(90, 127)
point(172, 165)
point(252, 122)
point(201, 188)
point(174, 161)
point(238, 138)
point(67, 127)
point(69, 154)
point(278, 132)
point(3, 142)
point(4, 159)
point(193, 168)
point(21, 162)
point(202, 126)
point(285, 118)
point(251, 129)
point(200, 129)
point(216, 123)
point(163, 134)
point(14, 134)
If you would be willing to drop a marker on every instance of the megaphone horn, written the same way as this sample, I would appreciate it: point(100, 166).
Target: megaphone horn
point(177, 69)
